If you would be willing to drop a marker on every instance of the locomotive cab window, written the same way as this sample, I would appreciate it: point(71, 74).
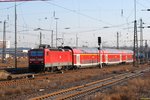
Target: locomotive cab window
point(36, 53)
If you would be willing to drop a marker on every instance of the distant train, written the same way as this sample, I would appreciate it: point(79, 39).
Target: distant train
point(46, 58)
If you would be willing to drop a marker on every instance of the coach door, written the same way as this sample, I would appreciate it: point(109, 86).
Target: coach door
point(78, 59)
point(106, 58)
point(121, 58)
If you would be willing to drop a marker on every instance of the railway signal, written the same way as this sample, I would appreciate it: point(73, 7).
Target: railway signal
point(99, 43)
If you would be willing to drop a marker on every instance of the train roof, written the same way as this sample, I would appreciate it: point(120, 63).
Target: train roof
point(116, 51)
point(84, 50)
point(95, 50)
point(127, 51)
point(91, 50)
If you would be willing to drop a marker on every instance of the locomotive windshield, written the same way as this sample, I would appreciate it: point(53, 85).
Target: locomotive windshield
point(36, 53)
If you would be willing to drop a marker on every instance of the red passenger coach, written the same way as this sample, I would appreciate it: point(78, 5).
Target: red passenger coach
point(116, 56)
point(85, 57)
point(112, 56)
point(127, 56)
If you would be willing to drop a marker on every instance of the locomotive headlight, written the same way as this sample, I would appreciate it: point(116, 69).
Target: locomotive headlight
point(40, 59)
point(32, 59)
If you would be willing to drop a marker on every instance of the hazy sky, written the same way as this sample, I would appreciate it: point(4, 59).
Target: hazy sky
point(86, 19)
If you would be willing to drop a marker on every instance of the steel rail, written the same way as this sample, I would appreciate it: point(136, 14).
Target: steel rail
point(74, 88)
point(90, 89)
point(23, 79)
point(78, 90)
point(15, 82)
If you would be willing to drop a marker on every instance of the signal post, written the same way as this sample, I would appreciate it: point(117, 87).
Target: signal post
point(99, 43)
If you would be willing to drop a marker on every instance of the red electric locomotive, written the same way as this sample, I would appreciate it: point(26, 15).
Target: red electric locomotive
point(68, 58)
point(49, 58)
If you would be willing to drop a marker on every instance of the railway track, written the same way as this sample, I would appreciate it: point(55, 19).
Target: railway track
point(15, 82)
point(24, 79)
point(79, 91)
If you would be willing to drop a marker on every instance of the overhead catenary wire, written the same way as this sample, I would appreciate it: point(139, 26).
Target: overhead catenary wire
point(79, 13)
point(110, 25)
point(143, 4)
point(13, 6)
point(65, 9)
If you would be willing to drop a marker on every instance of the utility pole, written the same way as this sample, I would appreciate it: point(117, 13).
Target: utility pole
point(135, 48)
point(52, 38)
point(56, 30)
point(141, 41)
point(117, 40)
point(135, 45)
point(40, 38)
point(141, 35)
point(76, 40)
point(146, 51)
point(4, 44)
point(63, 39)
point(40, 30)
point(15, 36)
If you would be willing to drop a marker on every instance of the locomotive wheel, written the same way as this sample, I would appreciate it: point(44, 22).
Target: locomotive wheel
point(75, 68)
point(54, 69)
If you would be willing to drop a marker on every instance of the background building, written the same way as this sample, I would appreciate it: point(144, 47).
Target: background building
point(7, 44)
point(1, 48)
